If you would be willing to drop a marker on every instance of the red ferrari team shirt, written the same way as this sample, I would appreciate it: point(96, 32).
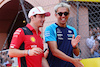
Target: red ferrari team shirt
point(26, 38)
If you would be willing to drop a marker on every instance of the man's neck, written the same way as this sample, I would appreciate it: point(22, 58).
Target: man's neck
point(35, 27)
point(61, 25)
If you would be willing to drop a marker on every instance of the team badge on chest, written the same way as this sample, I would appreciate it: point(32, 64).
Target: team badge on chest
point(32, 39)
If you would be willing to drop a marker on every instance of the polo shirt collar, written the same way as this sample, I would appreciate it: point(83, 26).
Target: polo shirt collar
point(32, 29)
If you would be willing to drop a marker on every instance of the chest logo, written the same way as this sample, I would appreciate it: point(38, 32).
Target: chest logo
point(59, 31)
point(69, 31)
point(32, 39)
point(33, 46)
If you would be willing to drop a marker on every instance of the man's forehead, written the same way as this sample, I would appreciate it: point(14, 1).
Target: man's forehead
point(62, 9)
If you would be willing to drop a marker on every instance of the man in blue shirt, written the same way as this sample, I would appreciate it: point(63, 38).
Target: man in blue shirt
point(61, 40)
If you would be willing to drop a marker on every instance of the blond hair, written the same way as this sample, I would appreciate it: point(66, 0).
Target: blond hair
point(61, 5)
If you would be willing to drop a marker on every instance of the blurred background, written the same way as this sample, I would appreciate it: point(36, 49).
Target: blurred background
point(84, 16)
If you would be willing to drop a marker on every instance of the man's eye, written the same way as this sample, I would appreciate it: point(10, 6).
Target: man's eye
point(42, 16)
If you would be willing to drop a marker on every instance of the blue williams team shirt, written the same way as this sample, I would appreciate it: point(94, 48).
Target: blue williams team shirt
point(63, 37)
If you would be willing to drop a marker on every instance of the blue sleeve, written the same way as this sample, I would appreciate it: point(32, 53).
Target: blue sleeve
point(50, 34)
point(75, 32)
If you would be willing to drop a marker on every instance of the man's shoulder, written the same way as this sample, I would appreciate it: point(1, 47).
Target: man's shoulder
point(70, 27)
point(18, 30)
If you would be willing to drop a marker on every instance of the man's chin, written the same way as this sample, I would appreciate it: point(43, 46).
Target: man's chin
point(63, 23)
point(40, 26)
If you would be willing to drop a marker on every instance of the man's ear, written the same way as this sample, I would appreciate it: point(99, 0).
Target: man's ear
point(55, 15)
point(31, 17)
point(68, 14)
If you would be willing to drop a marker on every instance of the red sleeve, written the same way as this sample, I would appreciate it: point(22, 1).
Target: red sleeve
point(17, 39)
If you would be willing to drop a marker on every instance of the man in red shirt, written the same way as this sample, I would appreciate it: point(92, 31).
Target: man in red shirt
point(27, 43)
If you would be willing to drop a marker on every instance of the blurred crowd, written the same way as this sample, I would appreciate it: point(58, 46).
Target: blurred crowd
point(5, 60)
point(93, 42)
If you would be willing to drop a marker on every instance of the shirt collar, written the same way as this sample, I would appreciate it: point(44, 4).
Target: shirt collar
point(32, 29)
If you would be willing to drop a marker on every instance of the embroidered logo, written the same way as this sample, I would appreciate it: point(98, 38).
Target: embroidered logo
point(59, 31)
point(33, 46)
point(59, 34)
point(69, 31)
point(47, 33)
point(32, 39)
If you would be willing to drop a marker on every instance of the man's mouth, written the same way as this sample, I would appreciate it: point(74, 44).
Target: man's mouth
point(63, 19)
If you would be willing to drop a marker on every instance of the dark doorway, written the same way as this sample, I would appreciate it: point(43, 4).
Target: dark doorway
point(20, 21)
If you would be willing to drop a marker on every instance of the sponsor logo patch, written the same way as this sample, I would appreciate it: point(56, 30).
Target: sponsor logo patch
point(33, 46)
point(32, 39)
point(69, 31)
